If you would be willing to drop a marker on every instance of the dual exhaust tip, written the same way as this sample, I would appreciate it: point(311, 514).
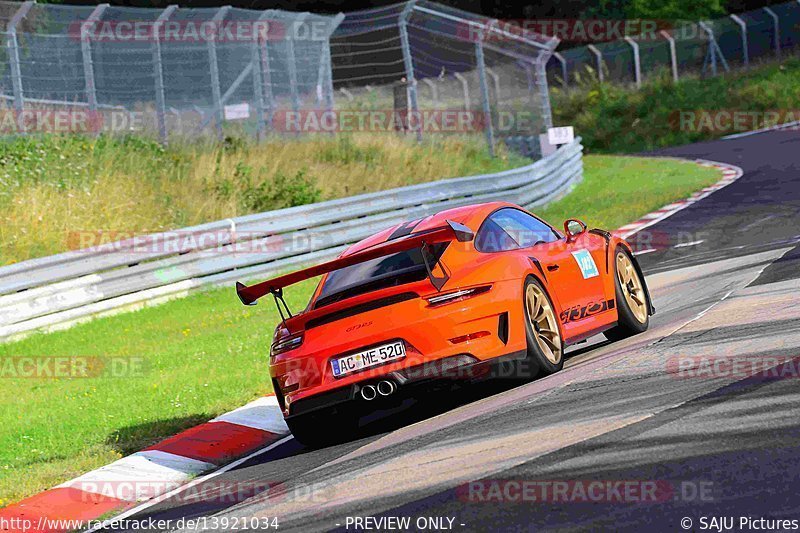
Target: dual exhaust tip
point(383, 388)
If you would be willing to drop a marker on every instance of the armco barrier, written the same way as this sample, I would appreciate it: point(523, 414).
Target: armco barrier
point(55, 292)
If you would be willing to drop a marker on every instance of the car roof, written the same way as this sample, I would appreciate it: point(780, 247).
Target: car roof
point(469, 215)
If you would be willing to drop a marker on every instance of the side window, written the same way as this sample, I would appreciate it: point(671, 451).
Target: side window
point(493, 238)
point(508, 229)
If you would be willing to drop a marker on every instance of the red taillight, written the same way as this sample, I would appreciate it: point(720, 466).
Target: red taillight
point(471, 336)
point(283, 341)
point(455, 296)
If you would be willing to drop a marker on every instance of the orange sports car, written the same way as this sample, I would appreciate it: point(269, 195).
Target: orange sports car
point(454, 295)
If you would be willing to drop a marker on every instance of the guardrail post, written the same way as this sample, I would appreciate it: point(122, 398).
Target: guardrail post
point(599, 57)
point(743, 25)
point(86, 52)
point(216, 92)
point(487, 109)
point(564, 80)
point(408, 62)
point(777, 29)
point(292, 62)
point(637, 66)
point(13, 58)
point(673, 55)
point(158, 73)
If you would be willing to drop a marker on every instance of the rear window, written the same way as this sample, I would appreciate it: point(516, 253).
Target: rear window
point(379, 273)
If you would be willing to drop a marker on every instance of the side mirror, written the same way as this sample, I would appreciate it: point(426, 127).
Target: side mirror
point(573, 227)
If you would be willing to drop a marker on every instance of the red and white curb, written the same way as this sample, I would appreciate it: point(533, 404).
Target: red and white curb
point(730, 173)
point(152, 472)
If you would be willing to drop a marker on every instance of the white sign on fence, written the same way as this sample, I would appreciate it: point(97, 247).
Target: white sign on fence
point(237, 111)
point(561, 135)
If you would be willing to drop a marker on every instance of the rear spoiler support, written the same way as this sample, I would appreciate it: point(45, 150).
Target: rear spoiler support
point(428, 258)
point(277, 295)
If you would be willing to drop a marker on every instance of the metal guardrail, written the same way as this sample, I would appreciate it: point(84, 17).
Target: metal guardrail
point(57, 291)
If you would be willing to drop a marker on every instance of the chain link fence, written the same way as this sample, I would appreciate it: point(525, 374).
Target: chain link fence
point(685, 49)
point(416, 68)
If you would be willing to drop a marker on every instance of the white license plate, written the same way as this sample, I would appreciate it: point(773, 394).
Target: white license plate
point(372, 357)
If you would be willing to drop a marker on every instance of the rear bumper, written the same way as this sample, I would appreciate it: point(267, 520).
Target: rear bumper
point(457, 368)
point(435, 338)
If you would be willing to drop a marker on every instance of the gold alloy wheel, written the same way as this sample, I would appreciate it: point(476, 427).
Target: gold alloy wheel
point(543, 322)
point(631, 287)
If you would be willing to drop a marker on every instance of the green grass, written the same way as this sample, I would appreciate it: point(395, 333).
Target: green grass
point(616, 119)
point(619, 189)
point(206, 354)
point(53, 185)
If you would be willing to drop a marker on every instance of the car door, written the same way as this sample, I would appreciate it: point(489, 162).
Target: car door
point(572, 268)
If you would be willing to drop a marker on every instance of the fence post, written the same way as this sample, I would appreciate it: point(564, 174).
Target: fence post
point(328, 86)
point(408, 62)
point(637, 66)
point(673, 55)
point(266, 75)
point(13, 58)
point(464, 87)
point(529, 77)
point(258, 88)
point(216, 92)
point(292, 62)
point(260, 63)
point(776, 20)
point(563, 62)
point(544, 94)
point(745, 52)
point(487, 109)
point(599, 56)
point(158, 73)
point(495, 81)
point(713, 50)
point(434, 90)
point(86, 52)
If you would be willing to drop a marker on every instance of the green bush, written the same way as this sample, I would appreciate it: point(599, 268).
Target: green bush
point(617, 119)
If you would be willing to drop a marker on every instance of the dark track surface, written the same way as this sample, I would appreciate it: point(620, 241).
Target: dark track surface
point(615, 412)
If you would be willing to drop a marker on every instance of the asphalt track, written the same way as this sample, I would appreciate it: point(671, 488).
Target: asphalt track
point(715, 443)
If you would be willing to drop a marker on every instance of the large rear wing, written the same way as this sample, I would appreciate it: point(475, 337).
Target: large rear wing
point(453, 231)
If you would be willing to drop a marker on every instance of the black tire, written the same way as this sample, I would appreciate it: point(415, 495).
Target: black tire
point(627, 323)
point(536, 363)
point(319, 429)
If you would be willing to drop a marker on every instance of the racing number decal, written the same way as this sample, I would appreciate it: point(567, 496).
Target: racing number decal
point(586, 264)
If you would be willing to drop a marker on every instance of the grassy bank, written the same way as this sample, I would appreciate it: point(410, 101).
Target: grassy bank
point(50, 186)
point(616, 119)
point(186, 361)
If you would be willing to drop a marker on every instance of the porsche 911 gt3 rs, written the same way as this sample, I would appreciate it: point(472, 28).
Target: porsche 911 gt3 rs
point(445, 297)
